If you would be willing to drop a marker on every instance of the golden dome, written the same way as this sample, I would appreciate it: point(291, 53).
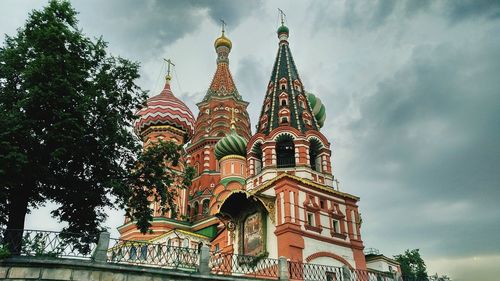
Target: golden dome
point(223, 41)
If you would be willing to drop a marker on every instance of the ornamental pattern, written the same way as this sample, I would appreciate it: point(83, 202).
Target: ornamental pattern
point(165, 109)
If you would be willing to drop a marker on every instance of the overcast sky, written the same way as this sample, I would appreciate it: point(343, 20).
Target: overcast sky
point(412, 91)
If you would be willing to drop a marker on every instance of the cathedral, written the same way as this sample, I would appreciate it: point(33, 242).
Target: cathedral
point(267, 194)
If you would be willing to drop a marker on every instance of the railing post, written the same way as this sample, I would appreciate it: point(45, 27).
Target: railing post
point(283, 269)
point(101, 250)
point(204, 259)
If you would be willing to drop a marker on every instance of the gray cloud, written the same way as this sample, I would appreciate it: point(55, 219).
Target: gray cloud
point(430, 135)
point(141, 29)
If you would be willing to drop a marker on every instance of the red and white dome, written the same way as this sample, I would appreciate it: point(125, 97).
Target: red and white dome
point(165, 109)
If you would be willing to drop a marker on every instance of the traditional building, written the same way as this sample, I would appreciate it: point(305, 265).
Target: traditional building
point(266, 194)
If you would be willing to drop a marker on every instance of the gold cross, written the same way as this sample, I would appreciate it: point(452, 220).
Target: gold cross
point(282, 16)
point(169, 63)
point(223, 25)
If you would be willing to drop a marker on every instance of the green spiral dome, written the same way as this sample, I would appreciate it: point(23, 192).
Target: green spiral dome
point(318, 109)
point(231, 144)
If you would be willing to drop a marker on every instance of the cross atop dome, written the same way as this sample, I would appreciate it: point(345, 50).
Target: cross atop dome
point(169, 63)
point(223, 41)
point(283, 31)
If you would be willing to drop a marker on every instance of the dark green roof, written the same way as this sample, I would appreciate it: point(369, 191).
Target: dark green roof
point(283, 29)
point(284, 68)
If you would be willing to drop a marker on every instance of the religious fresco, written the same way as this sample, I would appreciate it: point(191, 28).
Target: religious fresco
point(253, 235)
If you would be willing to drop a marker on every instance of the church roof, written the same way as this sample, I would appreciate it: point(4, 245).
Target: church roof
point(222, 83)
point(286, 101)
point(165, 109)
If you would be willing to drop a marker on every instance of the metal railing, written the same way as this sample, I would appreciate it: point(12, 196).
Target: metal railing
point(48, 243)
point(285, 162)
point(319, 272)
point(160, 255)
point(233, 264)
point(150, 254)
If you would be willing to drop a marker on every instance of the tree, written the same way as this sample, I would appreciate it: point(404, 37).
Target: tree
point(412, 265)
point(66, 109)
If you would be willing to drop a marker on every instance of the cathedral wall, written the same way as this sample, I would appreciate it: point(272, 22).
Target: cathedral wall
point(313, 246)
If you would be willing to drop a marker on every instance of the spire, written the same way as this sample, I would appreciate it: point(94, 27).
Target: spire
point(222, 83)
point(286, 102)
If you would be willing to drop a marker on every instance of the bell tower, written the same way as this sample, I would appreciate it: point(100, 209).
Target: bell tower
point(221, 104)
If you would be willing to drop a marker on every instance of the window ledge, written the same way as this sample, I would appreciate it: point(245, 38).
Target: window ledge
point(313, 228)
point(338, 235)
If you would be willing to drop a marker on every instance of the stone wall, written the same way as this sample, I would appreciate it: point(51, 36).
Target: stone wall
point(36, 268)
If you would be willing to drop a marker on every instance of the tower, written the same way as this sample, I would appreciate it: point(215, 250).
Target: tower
point(166, 118)
point(221, 104)
point(288, 206)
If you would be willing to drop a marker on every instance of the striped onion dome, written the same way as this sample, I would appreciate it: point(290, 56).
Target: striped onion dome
point(231, 144)
point(318, 109)
point(165, 109)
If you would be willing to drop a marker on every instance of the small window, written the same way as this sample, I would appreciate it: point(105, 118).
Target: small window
point(331, 276)
point(205, 206)
point(284, 120)
point(283, 102)
point(336, 226)
point(216, 247)
point(283, 86)
point(321, 204)
point(310, 219)
point(301, 103)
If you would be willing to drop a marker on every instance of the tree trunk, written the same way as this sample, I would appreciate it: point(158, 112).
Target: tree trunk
point(18, 207)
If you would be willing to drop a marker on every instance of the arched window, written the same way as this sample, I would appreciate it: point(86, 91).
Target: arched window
point(285, 151)
point(314, 157)
point(257, 149)
point(196, 208)
point(204, 206)
point(284, 102)
point(284, 120)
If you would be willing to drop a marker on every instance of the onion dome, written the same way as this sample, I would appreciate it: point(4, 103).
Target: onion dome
point(318, 109)
point(283, 29)
point(231, 144)
point(223, 41)
point(283, 32)
point(165, 109)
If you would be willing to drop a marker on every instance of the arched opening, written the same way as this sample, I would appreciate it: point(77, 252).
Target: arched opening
point(204, 206)
point(314, 157)
point(285, 151)
point(284, 102)
point(196, 210)
point(257, 149)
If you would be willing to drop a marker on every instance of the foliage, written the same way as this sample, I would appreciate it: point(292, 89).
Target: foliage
point(66, 108)
point(157, 175)
point(412, 265)
point(4, 252)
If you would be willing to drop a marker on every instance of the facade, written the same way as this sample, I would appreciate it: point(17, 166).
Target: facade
point(378, 263)
point(267, 194)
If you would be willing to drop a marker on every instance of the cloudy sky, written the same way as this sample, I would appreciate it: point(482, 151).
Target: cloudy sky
point(412, 90)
